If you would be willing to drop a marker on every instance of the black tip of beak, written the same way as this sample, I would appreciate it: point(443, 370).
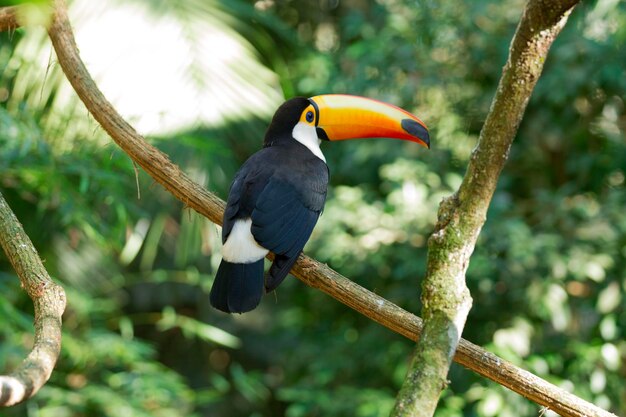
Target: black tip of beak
point(415, 129)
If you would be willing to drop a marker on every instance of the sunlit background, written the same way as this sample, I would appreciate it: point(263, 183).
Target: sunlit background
point(201, 80)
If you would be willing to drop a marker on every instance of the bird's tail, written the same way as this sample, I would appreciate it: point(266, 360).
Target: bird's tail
point(237, 287)
point(278, 271)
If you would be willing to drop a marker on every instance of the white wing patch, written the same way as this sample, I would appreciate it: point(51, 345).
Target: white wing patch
point(240, 247)
point(306, 135)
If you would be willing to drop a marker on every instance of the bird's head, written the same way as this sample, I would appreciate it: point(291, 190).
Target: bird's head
point(335, 117)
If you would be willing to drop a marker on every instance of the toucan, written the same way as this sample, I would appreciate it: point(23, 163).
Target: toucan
point(278, 194)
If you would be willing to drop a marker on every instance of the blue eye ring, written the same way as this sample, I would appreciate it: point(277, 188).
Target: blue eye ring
point(310, 116)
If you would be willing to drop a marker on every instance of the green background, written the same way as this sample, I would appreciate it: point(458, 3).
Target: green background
point(547, 277)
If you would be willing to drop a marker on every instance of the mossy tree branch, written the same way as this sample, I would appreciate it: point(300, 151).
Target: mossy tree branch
point(445, 297)
point(49, 301)
point(310, 271)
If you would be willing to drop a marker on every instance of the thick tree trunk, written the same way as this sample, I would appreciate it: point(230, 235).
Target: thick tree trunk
point(445, 297)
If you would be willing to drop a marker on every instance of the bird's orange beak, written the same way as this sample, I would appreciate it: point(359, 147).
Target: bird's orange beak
point(340, 117)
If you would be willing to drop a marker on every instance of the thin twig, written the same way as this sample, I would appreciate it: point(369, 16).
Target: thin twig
point(137, 180)
point(49, 301)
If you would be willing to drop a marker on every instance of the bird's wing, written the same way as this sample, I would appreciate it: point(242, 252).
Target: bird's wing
point(232, 206)
point(247, 185)
point(283, 217)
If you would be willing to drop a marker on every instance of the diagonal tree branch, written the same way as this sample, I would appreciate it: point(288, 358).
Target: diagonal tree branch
point(445, 297)
point(308, 270)
point(49, 301)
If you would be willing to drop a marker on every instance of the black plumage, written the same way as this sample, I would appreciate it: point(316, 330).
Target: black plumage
point(282, 189)
point(278, 194)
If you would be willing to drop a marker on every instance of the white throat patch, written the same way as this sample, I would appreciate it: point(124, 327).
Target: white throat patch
point(306, 135)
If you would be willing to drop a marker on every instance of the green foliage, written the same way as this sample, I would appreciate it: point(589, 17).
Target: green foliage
point(139, 337)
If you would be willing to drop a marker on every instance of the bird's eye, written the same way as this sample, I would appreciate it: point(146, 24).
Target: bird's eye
point(309, 116)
